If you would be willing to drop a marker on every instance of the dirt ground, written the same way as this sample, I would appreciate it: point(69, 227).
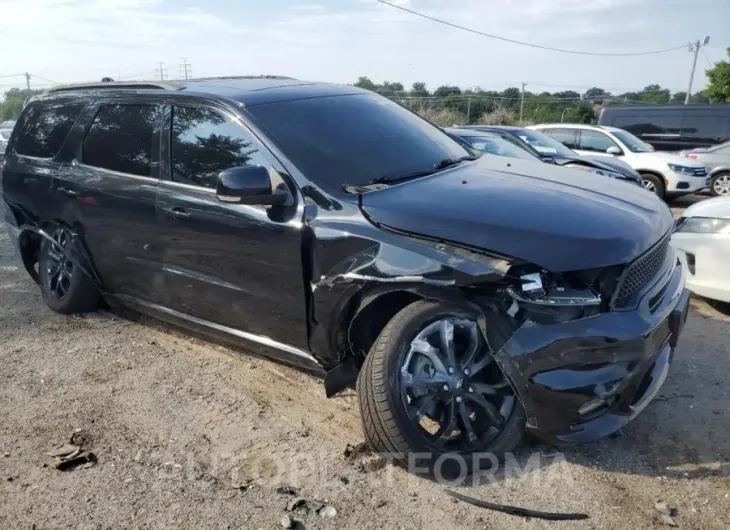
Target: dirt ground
point(188, 434)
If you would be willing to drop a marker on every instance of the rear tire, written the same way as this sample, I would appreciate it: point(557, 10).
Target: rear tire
point(393, 407)
point(653, 184)
point(65, 287)
point(720, 185)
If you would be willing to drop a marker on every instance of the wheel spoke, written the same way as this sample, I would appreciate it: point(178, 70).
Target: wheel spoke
point(474, 342)
point(446, 335)
point(425, 405)
point(486, 389)
point(424, 384)
point(489, 409)
point(424, 348)
point(466, 424)
point(446, 428)
point(481, 364)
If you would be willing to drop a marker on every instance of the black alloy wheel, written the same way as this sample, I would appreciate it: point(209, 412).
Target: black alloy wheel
point(455, 395)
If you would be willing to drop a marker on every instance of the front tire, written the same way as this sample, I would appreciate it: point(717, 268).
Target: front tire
point(65, 287)
point(653, 184)
point(720, 185)
point(431, 394)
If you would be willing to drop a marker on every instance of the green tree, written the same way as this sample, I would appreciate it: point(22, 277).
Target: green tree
point(718, 82)
point(678, 98)
point(364, 82)
point(595, 94)
point(12, 105)
point(447, 90)
point(654, 94)
point(418, 89)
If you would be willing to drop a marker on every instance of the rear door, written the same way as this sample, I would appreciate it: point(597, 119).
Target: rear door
point(34, 158)
point(232, 265)
point(565, 135)
point(108, 194)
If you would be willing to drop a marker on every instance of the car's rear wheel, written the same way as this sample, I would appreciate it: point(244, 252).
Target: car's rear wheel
point(653, 184)
point(65, 287)
point(432, 395)
point(720, 185)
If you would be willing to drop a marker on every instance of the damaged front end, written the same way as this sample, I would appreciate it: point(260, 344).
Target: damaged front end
point(585, 351)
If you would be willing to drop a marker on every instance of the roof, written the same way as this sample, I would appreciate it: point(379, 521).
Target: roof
point(570, 126)
point(495, 127)
point(247, 90)
point(655, 107)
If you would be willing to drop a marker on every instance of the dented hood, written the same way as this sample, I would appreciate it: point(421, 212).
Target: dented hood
point(561, 219)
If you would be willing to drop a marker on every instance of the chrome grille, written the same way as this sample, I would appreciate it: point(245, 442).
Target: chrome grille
point(638, 273)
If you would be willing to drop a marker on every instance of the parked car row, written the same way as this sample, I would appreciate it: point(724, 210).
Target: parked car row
point(470, 299)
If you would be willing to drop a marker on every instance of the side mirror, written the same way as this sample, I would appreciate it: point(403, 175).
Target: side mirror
point(613, 150)
point(248, 185)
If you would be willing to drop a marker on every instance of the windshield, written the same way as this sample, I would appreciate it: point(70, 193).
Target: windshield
point(543, 144)
point(354, 139)
point(631, 142)
point(495, 145)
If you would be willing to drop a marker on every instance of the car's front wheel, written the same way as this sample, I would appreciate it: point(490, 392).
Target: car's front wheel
point(653, 184)
point(432, 396)
point(720, 185)
point(65, 287)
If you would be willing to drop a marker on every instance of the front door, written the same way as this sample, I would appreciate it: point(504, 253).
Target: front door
point(232, 265)
point(108, 195)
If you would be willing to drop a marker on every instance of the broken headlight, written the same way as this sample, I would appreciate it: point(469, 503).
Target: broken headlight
point(544, 289)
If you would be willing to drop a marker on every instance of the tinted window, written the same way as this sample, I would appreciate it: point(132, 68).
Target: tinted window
point(354, 139)
point(564, 136)
point(43, 130)
point(595, 141)
point(204, 143)
point(704, 125)
point(654, 123)
point(120, 139)
point(497, 146)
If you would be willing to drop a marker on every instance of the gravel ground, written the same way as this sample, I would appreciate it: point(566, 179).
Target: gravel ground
point(188, 434)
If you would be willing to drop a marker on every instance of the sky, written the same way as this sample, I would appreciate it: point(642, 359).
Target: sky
point(340, 40)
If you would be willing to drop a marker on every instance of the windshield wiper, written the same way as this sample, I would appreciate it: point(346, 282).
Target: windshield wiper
point(393, 179)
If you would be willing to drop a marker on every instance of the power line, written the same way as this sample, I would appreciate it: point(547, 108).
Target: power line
point(706, 58)
point(513, 41)
point(12, 75)
point(44, 79)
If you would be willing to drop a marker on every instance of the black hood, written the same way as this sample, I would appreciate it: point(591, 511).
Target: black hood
point(561, 219)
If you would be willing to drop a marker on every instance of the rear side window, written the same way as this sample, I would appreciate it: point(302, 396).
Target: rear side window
point(655, 123)
point(204, 143)
point(120, 139)
point(43, 130)
point(704, 125)
point(564, 136)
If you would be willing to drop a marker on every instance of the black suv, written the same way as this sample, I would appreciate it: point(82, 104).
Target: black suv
point(333, 229)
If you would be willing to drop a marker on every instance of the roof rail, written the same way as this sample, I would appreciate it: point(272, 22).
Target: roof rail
point(227, 77)
point(111, 85)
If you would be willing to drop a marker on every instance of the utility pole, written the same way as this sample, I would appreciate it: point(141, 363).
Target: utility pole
point(468, 110)
point(162, 71)
point(522, 102)
point(186, 69)
point(694, 47)
point(27, 80)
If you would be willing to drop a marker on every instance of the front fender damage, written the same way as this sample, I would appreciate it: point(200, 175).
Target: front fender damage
point(360, 284)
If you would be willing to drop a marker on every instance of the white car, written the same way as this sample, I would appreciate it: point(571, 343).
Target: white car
point(702, 242)
point(666, 174)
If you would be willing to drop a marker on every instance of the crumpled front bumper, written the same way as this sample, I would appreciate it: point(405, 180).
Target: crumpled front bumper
point(582, 380)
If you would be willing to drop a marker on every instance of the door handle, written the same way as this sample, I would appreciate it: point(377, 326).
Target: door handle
point(69, 192)
point(177, 213)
